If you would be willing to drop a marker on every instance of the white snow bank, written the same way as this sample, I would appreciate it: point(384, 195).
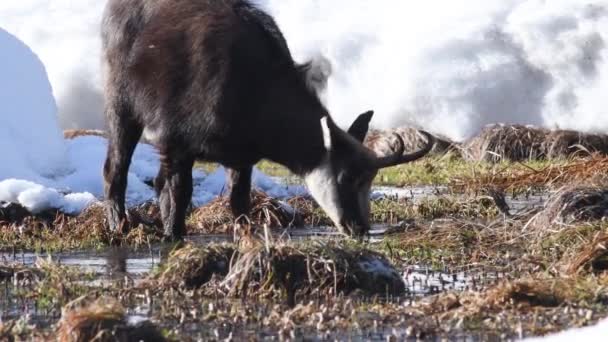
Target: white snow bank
point(37, 198)
point(448, 66)
point(65, 34)
point(596, 333)
point(83, 186)
point(31, 141)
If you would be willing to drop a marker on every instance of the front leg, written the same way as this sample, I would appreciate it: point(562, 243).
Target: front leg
point(174, 189)
point(239, 184)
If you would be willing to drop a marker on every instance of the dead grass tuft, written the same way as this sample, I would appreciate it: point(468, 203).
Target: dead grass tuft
point(192, 267)
point(506, 142)
point(523, 293)
point(566, 144)
point(103, 320)
point(216, 216)
point(312, 269)
point(593, 257)
point(571, 205)
point(500, 142)
point(54, 231)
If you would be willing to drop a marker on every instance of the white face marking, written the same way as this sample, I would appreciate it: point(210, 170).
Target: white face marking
point(323, 187)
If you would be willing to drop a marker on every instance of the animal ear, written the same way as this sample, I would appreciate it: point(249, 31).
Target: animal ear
point(360, 127)
point(318, 72)
point(326, 133)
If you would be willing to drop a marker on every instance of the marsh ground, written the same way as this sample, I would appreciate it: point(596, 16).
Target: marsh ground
point(487, 251)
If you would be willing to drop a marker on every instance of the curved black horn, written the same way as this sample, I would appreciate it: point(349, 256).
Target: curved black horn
point(399, 158)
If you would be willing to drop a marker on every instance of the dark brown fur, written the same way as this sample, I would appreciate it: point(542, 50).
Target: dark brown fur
point(208, 80)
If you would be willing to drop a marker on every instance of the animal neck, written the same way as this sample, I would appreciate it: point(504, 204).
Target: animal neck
point(297, 142)
point(302, 150)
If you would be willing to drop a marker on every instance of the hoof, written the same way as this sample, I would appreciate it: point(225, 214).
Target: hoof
point(172, 238)
point(117, 219)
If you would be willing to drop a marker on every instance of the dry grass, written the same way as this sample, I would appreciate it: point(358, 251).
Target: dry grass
point(577, 171)
point(521, 143)
point(506, 142)
point(329, 268)
point(520, 295)
point(103, 320)
point(192, 267)
point(567, 144)
point(56, 231)
point(279, 269)
point(571, 205)
point(593, 257)
point(216, 216)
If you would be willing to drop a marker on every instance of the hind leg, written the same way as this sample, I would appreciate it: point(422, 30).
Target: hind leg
point(239, 182)
point(124, 133)
point(174, 188)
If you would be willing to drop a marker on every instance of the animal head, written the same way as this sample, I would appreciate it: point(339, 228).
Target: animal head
point(341, 183)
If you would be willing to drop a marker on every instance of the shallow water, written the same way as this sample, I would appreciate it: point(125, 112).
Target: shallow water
point(118, 264)
point(115, 263)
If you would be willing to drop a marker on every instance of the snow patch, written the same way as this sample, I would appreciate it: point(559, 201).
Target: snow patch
point(31, 141)
point(596, 333)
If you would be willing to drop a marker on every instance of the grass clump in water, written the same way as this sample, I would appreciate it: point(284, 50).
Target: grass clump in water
point(192, 267)
point(270, 269)
point(102, 320)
